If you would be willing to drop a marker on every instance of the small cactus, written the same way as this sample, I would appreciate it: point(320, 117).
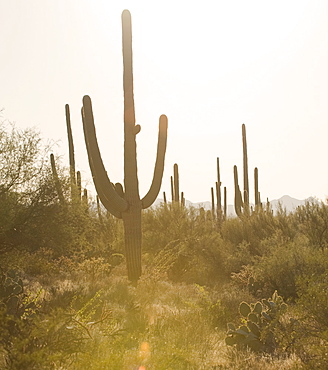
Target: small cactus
point(12, 294)
point(258, 321)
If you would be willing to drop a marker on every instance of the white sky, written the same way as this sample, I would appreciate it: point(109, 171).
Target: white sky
point(208, 65)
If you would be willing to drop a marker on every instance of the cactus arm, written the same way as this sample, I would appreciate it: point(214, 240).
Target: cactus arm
point(218, 189)
point(183, 200)
point(155, 187)
point(172, 189)
point(176, 183)
point(70, 145)
point(56, 179)
point(245, 167)
point(213, 203)
point(107, 194)
point(225, 201)
point(238, 198)
point(256, 186)
point(78, 185)
point(119, 189)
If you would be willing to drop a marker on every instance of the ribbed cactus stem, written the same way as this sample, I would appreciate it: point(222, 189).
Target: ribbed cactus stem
point(56, 179)
point(99, 209)
point(225, 201)
point(245, 168)
point(218, 190)
point(256, 187)
point(125, 203)
point(172, 189)
point(176, 183)
point(183, 201)
point(78, 191)
point(85, 198)
point(70, 152)
point(238, 197)
point(213, 203)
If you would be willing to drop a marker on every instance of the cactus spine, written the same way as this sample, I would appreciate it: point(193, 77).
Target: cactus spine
point(125, 203)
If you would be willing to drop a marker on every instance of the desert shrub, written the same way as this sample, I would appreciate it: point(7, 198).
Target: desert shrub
point(312, 219)
point(313, 306)
point(260, 225)
point(193, 260)
point(284, 263)
point(163, 224)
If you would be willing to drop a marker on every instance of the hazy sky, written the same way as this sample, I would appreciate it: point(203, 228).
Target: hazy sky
point(210, 66)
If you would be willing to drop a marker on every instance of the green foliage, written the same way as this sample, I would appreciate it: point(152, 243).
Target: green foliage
point(284, 263)
point(312, 219)
point(65, 301)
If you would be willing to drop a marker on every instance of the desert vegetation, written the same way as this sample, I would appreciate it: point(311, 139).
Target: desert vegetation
point(205, 291)
point(250, 292)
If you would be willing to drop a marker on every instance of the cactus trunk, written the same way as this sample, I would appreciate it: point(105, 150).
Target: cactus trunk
point(245, 167)
point(238, 197)
point(176, 183)
point(256, 187)
point(133, 240)
point(56, 179)
point(225, 202)
point(218, 193)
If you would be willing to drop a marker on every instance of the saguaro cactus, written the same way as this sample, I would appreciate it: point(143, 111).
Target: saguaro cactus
point(242, 199)
point(176, 183)
point(238, 198)
point(56, 179)
point(70, 151)
point(218, 192)
point(256, 188)
point(213, 203)
point(245, 167)
point(225, 202)
point(125, 203)
point(177, 197)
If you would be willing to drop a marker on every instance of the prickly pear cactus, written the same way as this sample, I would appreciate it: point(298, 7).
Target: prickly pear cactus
point(258, 322)
point(12, 294)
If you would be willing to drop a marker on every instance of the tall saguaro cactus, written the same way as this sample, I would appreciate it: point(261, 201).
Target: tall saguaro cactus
point(176, 183)
point(70, 150)
point(238, 198)
point(245, 167)
point(125, 202)
point(242, 198)
point(218, 192)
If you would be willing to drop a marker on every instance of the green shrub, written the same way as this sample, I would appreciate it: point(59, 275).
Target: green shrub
point(282, 265)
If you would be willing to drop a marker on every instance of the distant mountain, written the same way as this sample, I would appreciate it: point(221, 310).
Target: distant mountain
point(286, 201)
